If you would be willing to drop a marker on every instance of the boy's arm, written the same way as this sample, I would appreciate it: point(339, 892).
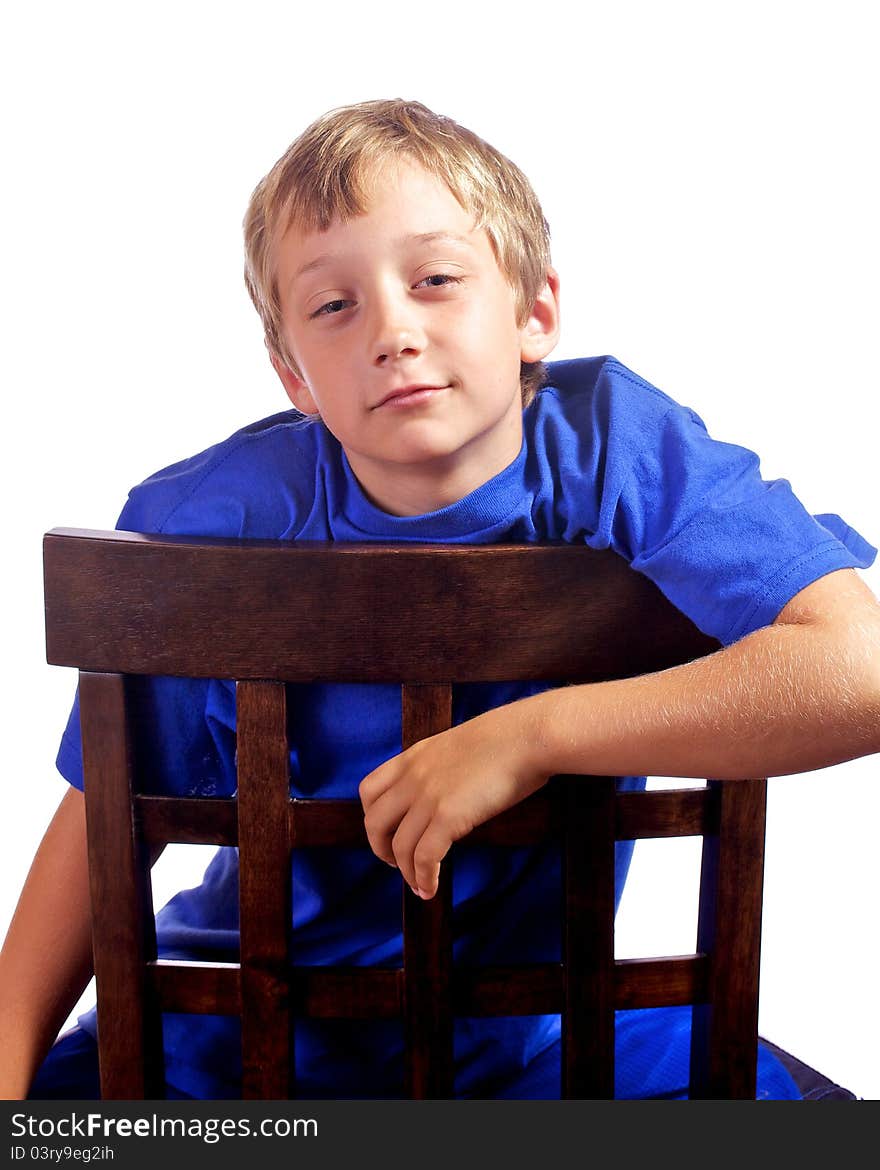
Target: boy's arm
point(800, 694)
point(46, 960)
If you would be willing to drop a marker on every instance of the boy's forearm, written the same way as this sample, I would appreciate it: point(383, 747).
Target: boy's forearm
point(801, 694)
point(46, 959)
point(785, 699)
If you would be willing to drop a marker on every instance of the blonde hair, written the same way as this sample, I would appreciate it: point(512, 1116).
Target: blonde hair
point(325, 173)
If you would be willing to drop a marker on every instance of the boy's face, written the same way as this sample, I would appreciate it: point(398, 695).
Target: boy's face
point(408, 345)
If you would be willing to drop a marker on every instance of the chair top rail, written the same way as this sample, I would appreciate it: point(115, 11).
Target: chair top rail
point(245, 609)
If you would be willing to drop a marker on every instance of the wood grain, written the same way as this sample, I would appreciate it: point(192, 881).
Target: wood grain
point(119, 605)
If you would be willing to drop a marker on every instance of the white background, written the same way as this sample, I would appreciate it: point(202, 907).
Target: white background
point(709, 174)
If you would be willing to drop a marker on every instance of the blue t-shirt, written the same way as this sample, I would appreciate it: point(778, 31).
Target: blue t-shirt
point(607, 460)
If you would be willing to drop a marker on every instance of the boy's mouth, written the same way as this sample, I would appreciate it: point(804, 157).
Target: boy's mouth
point(409, 395)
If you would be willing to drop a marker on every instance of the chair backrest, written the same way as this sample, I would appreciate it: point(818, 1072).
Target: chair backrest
point(266, 613)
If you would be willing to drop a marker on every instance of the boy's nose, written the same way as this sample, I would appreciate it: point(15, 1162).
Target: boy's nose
point(395, 332)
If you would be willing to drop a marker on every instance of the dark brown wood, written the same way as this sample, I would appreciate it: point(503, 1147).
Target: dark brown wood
point(675, 812)
point(317, 992)
point(534, 989)
point(257, 611)
point(200, 988)
point(326, 823)
point(333, 823)
point(130, 1053)
point(535, 819)
point(724, 1038)
point(427, 934)
point(191, 821)
point(588, 937)
point(352, 993)
point(668, 982)
point(264, 890)
point(684, 812)
point(425, 710)
point(377, 993)
point(275, 595)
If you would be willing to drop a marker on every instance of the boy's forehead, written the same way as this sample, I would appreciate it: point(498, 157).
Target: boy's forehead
point(404, 190)
point(406, 208)
point(389, 180)
point(300, 258)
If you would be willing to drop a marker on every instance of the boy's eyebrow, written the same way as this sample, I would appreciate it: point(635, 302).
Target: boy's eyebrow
point(414, 238)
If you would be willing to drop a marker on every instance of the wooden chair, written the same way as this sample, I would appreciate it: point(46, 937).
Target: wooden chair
point(265, 613)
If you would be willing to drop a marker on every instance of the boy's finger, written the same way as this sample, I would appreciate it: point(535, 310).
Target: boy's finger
point(430, 850)
point(382, 816)
point(406, 838)
point(377, 782)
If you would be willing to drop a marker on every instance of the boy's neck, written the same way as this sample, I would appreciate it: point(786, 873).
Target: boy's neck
point(418, 490)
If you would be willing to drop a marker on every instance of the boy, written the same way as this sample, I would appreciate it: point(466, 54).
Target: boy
point(401, 268)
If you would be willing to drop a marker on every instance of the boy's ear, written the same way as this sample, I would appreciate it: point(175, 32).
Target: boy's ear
point(540, 333)
point(296, 389)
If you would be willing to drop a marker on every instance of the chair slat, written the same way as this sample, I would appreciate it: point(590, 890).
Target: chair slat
point(200, 988)
point(351, 993)
point(130, 1052)
point(724, 1037)
point(588, 937)
point(377, 993)
point(264, 889)
point(190, 820)
point(677, 812)
point(316, 823)
point(537, 989)
point(667, 982)
point(316, 992)
point(427, 934)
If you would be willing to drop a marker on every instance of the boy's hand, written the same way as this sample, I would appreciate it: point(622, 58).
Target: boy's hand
point(800, 694)
point(435, 792)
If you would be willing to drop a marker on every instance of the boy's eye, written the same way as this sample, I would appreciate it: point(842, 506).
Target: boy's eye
point(330, 309)
point(441, 276)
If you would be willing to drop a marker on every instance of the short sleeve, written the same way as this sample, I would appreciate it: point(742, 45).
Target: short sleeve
point(726, 546)
point(183, 729)
point(183, 732)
